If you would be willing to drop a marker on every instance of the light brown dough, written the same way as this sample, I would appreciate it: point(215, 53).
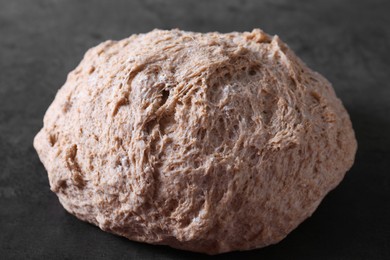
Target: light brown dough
point(205, 142)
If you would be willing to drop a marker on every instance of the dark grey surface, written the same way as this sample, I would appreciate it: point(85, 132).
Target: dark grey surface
point(41, 41)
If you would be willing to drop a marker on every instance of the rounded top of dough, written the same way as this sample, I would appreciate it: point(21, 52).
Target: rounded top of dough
point(206, 142)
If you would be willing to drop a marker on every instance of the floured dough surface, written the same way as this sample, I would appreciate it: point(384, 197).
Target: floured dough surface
point(205, 142)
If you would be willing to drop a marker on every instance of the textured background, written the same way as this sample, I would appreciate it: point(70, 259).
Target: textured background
point(42, 40)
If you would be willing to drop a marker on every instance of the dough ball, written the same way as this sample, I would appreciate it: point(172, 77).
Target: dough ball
point(204, 142)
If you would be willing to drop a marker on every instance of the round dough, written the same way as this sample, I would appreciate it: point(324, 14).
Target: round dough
point(205, 142)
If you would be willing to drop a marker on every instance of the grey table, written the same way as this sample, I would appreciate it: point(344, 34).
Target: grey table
point(42, 40)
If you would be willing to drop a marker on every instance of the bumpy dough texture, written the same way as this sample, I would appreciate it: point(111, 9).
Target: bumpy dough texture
point(205, 142)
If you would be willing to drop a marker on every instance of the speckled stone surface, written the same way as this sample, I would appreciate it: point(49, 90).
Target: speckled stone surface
point(42, 41)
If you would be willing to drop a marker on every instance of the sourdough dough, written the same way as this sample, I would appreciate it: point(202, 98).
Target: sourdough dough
point(205, 142)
